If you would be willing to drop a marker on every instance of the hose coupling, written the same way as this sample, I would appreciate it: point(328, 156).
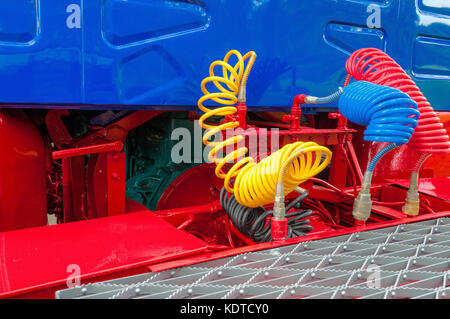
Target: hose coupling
point(362, 206)
point(279, 208)
point(412, 202)
point(242, 96)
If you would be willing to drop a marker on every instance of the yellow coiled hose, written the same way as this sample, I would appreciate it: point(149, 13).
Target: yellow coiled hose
point(254, 183)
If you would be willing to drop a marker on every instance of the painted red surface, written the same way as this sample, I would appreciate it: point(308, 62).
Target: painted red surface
point(37, 258)
point(22, 172)
point(438, 187)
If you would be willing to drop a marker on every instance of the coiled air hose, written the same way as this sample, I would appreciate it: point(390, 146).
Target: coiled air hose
point(254, 184)
point(430, 137)
point(255, 223)
point(390, 116)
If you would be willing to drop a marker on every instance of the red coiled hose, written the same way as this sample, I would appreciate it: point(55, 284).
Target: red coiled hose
point(373, 65)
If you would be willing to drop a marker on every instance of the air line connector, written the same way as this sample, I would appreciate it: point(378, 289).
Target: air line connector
point(278, 223)
point(363, 203)
point(412, 202)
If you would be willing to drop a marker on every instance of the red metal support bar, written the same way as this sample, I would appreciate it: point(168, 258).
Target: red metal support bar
point(86, 150)
point(354, 158)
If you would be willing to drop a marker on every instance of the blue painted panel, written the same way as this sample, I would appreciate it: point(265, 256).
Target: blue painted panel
point(431, 58)
point(154, 53)
point(19, 24)
point(40, 58)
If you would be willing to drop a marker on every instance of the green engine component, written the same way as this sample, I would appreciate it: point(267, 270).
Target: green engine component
point(150, 168)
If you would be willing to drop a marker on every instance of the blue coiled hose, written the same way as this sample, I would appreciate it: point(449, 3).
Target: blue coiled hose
point(390, 115)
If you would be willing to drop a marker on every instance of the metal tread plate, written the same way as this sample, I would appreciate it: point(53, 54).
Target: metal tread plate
point(409, 261)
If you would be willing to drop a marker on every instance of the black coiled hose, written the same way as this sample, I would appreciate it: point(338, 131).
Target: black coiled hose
point(251, 222)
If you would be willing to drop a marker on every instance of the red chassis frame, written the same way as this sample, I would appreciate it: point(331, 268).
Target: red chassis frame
point(131, 239)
